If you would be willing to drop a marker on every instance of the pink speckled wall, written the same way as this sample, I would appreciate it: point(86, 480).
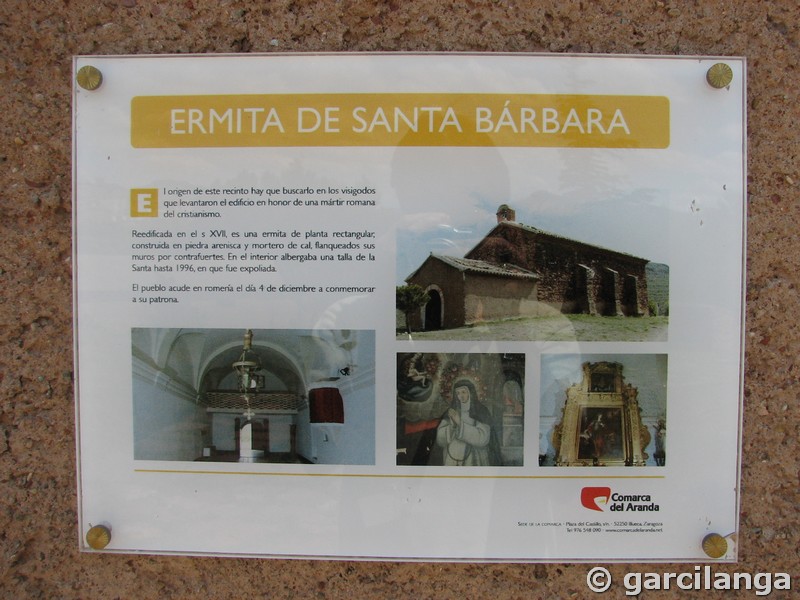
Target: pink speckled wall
point(39, 555)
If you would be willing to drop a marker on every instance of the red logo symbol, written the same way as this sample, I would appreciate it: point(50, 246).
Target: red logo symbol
point(590, 496)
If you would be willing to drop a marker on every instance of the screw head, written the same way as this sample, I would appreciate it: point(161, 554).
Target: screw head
point(719, 76)
point(714, 545)
point(89, 77)
point(98, 537)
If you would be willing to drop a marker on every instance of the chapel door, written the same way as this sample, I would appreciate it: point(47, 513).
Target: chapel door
point(433, 311)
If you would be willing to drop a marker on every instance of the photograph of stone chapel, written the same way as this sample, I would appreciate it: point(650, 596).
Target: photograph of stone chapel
point(518, 271)
point(254, 395)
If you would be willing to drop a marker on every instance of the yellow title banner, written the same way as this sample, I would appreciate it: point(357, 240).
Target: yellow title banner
point(543, 120)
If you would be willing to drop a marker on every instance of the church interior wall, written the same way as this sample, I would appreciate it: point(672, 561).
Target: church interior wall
point(348, 443)
point(166, 425)
point(223, 423)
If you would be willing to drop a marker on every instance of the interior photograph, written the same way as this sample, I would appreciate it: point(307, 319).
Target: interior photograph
point(254, 395)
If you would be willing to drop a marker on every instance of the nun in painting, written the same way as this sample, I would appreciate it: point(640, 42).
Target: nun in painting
point(465, 431)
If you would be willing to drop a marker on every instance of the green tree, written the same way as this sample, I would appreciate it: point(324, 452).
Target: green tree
point(410, 298)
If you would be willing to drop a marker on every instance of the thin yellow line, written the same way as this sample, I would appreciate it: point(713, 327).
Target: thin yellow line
point(410, 476)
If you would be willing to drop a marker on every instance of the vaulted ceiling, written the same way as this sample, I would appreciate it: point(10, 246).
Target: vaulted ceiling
point(202, 359)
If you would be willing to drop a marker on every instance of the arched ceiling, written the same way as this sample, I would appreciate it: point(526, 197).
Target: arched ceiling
point(203, 358)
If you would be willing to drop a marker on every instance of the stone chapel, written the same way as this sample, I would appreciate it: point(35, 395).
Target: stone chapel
point(518, 270)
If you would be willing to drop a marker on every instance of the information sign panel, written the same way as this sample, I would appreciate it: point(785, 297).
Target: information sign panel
point(434, 307)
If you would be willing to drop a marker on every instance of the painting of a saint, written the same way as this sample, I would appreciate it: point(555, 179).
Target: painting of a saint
point(600, 436)
point(465, 431)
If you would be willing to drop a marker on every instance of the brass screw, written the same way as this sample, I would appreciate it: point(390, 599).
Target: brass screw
point(714, 545)
point(719, 76)
point(98, 537)
point(89, 77)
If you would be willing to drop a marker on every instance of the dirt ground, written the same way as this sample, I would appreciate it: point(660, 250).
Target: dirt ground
point(562, 328)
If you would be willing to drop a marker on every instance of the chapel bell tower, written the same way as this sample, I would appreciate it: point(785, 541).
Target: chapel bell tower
point(506, 213)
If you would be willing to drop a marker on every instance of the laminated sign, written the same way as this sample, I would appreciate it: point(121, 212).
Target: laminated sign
point(411, 306)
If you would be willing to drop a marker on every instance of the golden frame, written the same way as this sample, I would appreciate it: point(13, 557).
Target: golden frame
point(601, 424)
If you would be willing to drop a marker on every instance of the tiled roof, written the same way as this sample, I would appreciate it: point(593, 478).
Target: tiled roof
point(534, 230)
point(485, 268)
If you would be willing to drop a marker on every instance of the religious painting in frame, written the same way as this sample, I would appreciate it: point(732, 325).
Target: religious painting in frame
point(601, 420)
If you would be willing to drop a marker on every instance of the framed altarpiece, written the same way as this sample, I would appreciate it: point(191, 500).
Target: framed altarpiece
point(601, 423)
